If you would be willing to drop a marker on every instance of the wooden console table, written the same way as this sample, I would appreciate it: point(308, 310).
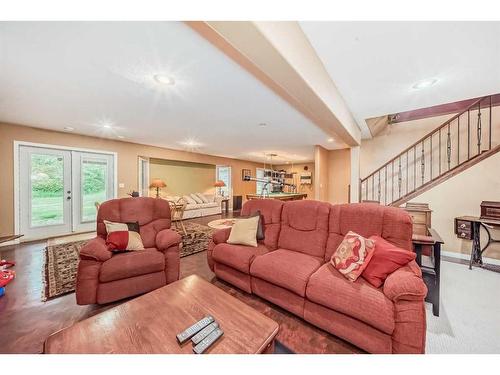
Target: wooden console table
point(469, 228)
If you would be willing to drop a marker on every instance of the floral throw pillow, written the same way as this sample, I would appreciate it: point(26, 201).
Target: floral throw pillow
point(353, 255)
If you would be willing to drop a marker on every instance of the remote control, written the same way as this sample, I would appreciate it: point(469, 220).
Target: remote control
point(208, 341)
point(194, 329)
point(204, 333)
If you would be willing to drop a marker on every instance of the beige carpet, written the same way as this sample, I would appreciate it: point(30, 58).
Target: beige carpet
point(469, 320)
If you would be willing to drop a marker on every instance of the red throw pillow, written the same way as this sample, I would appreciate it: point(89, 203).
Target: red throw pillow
point(352, 255)
point(386, 259)
point(124, 240)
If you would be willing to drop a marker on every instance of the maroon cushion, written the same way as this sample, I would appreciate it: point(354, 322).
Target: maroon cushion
point(286, 268)
point(153, 215)
point(304, 227)
point(386, 259)
point(357, 299)
point(368, 219)
point(237, 256)
point(134, 263)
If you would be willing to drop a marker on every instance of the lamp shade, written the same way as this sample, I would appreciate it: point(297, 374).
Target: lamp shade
point(157, 183)
point(219, 183)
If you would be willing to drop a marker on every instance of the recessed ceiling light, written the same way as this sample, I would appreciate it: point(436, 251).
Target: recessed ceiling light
point(330, 140)
point(424, 84)
point(191, 143)
point(69, 128)
point(163, 79)
point(106, 126)
point(121, 136)
point(262, 124)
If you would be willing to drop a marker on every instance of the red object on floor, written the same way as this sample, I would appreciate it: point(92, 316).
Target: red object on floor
point(6, 277)
point(6, 263)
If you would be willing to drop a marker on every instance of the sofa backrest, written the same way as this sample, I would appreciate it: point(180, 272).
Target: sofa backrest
point(367, 219)
point(304, 227)
point(153, 215)
point(270, 210)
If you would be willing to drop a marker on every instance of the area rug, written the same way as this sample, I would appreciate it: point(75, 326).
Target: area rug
point(61, 260)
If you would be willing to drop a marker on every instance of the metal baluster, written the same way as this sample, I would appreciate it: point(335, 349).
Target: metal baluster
point(399, 177)
point(392, 182)
point(468, 134)
point(414, 168)
point(373, 189)
point(448, 147)
point(422, 163)
point(479, 129)
point(489, 145)
point(431, 160)
point(406, 172)
point(379, 186)
point(439, 151)
point(385, 174)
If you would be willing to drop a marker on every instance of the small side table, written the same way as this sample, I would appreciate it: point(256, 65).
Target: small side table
point(224, 205)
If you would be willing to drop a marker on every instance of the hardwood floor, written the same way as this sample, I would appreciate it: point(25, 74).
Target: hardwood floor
point(26, 321)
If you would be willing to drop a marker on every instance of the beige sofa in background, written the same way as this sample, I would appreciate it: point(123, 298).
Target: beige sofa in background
point(211, 205)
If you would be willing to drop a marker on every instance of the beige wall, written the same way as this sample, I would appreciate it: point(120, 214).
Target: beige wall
point(183, 177)
point(127, 162)
point(298, 169)
point(321, 173)
point(339, 175)
point(462, 195)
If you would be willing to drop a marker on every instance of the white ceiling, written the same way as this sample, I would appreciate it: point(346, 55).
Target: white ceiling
point(84, 74)
point(375, 64)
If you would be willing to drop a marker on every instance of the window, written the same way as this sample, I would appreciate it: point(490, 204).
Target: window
point(223, 173)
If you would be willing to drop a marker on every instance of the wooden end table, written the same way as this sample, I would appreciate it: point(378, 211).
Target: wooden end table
point(224, 205)
point(148, 324)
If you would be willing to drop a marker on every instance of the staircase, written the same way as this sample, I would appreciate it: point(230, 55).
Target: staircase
point(458, 144)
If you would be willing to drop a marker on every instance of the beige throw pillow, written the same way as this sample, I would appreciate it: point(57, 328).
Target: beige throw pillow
point(196, 198)
point(203, 198)
point(188, 199)
point(244, 232)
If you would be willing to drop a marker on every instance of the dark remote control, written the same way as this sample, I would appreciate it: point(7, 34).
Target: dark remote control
point(204, 333)
point(194, 329)
point(208, 341)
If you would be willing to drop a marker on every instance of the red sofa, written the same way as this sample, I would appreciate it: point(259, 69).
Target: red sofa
point(105, 277)
point(291, 268)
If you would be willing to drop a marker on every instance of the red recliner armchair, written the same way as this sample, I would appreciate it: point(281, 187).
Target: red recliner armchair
point(105, 277)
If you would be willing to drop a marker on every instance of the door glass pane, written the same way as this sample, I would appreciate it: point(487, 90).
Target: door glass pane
point(47, 190)
point(224, 174)
point(94, 187)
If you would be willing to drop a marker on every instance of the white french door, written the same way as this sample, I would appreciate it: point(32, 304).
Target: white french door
point(59, 189)
point(92, 184)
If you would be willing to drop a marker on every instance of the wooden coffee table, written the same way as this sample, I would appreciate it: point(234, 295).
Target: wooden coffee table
point(149, 324)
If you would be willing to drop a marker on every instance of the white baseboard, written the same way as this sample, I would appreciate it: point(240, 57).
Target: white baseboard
point(467, 257)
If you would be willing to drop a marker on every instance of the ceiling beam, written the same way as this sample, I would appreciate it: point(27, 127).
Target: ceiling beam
point(280, 56)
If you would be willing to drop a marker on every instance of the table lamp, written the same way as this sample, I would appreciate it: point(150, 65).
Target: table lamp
point(157, 183)
point(220, 184)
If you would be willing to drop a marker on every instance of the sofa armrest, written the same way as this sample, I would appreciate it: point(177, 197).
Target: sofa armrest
point(167, 238)
point(221, 235)
point(96, 249)
point(406, 284)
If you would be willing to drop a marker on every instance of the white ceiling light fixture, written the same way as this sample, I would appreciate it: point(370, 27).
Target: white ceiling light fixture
point(424, 84)
point(262, 125)
point(164, 79)
point(69, 128)
point(330, 140)
point(121, 136)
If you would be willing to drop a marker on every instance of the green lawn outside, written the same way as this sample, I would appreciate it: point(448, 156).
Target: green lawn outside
point(47, 208)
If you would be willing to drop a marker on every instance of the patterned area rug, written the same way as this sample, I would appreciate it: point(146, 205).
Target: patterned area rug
point(61, 261)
